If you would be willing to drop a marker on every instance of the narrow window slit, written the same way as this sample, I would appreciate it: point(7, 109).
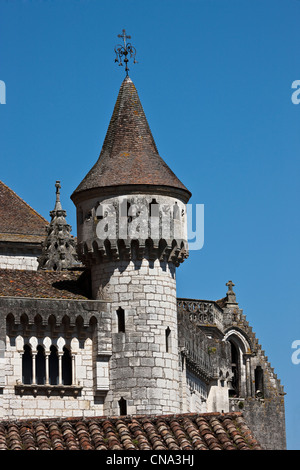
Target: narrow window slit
point(121, 320)
point(122, 407)
point(168, 339)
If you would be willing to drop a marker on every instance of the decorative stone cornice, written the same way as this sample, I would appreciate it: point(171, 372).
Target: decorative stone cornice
point(202, 312)
point(93, 251)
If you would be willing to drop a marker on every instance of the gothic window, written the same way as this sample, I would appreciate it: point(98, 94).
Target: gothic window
point(27, 365)
point(40, 366)
point(53, 366)
point(122, 407)
point(121, 320)
point(234, 391)
point(66, 367)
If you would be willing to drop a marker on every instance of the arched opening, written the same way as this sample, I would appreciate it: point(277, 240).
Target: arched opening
point(234, 391)
point(27, 365)
point(259, 382)
point(240, 384)
point(66, 324)
point(122, 407)
point(66, 367)
point(93, 324)
point(24, 323)
point(40, 366)
point(38, 321)
point(53, 366)
point(10, 324)
point(121, 320)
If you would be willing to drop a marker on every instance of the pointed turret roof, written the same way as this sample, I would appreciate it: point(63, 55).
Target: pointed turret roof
point(129, 155)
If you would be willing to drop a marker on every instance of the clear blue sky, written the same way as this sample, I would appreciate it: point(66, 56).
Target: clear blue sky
point(214, 78)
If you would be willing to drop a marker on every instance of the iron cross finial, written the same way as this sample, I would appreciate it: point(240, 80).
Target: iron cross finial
point(124, 50)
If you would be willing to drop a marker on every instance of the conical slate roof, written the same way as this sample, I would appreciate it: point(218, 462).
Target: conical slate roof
point(129, 155)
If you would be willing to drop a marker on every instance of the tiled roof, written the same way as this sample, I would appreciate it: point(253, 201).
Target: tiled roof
point(209, 431)
point(44, 284)
point(129, 155)
point(222, 302)
point(18, 221)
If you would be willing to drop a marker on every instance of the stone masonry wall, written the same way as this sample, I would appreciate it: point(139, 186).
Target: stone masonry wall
point(143, 367)
point(13, 261)
point(84, 327)
point(13, 405)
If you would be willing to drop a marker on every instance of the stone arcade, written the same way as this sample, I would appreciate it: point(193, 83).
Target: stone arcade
point(101, 332)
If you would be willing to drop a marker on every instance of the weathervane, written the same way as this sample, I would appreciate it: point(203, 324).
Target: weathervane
point(124, 50)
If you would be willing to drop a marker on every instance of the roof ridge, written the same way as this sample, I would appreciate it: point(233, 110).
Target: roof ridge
point(230, 414)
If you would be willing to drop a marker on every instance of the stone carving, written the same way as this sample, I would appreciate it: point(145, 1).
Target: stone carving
point(201, 312)
point(194, 347)
point(231, 297)
point(58, 249)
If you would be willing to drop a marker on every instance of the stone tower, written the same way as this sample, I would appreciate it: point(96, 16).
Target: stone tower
point(131, 229)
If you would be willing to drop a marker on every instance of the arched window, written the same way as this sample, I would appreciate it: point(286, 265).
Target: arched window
point(40, 366)
point(240, 384)
point(27, 365)
point(53, 366)
point(66, 367)
point(235, 386)
point(122, 407)
point(259, 382)
point(45, 365)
